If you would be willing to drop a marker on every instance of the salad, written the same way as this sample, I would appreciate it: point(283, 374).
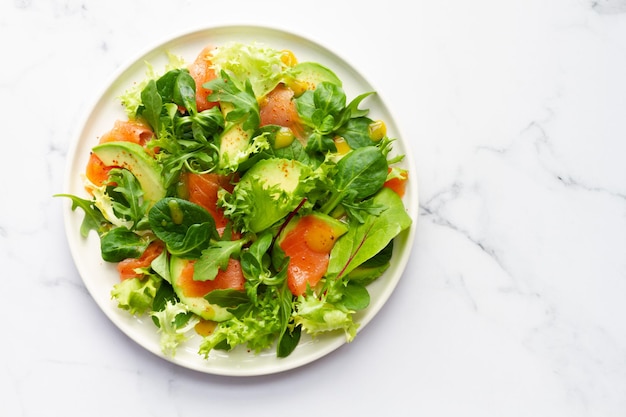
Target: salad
point(245, 200)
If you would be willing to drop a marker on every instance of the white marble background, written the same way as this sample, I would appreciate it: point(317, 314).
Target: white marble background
point(514, 301)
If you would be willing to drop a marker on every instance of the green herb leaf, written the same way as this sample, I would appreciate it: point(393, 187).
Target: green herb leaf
point(120, 243)
point(214, 258)
point(185, 227)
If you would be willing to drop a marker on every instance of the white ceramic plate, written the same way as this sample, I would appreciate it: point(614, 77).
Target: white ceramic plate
point(99, 277)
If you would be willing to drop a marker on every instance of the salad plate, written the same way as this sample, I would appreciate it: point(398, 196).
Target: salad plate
point(100, 276)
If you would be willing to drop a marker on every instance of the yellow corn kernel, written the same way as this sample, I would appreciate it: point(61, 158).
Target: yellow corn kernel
point(377, 130)
point(288, 58)
point(283, 138)
point(341, 145)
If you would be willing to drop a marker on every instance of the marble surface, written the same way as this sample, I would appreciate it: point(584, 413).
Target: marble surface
point(514, 300)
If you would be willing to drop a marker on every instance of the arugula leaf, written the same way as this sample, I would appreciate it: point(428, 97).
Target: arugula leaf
point(352, 109)
point(93, 220)
point(132, 207)
point(246, 107)
point(214, 258)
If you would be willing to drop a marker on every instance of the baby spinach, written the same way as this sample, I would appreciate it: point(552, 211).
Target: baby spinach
point(324, 110)
point(120, 243)
point(184, 227)
point(184, 136)
point(359, 174)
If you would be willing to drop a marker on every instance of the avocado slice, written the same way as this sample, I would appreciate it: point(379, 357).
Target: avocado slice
point(233, 143)
point(197, 305)
point(134, 158)
point(268, 191)
point(307, 75)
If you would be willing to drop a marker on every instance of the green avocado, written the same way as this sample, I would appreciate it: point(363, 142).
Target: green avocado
point(269, 191)
point(233, 143)
point(197, 305)
point(134, 158)
point(307, 75)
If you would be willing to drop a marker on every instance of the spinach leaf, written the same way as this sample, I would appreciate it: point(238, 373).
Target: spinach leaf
point(120, 243)
point(288, 341)
point(324, 110)
point(356, 132)
point(151, 108)
point(184, 227)
point(359, 174)
point(227, 297)
point(184, 93)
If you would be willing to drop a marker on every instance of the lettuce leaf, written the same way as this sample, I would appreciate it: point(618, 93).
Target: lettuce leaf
point(136, 294)
point(260, 65)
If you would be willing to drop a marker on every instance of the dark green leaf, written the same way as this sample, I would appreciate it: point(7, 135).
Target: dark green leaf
point(185, 91)
point(363, 171)
point(356, 132)
point(131, 206)
point(186, 228)
point(120, 243)
point(288, 342)
point(227, 297)
point(152, 103)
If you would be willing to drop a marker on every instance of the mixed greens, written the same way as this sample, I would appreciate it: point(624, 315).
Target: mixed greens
point(329, 164)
